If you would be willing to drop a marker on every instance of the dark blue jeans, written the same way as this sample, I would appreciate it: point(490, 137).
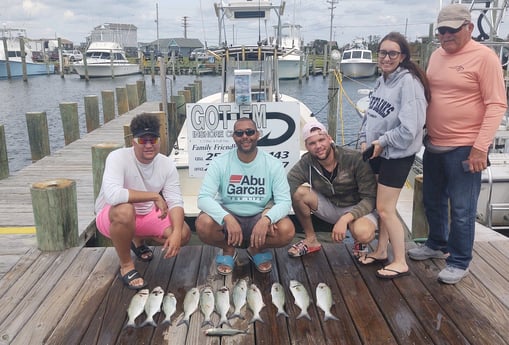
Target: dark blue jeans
point(445, 183)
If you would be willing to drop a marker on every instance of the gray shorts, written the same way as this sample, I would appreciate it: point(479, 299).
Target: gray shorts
point(330, 213)
point(246, 224)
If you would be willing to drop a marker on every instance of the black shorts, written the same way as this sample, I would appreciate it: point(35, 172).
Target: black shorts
point(392, 172)
point(246, 224)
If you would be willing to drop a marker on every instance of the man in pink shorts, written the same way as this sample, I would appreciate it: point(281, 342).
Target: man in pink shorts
point(140, 198)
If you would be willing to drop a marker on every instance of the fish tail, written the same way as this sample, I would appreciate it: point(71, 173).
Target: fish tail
point(166, 321)
point(223, 321)
point(207, 322)
point(148, 322)
point(183, 321)
point(305, 314)
point(130, 323)
point(329, 316)
point(282, 312)
point(256, 318)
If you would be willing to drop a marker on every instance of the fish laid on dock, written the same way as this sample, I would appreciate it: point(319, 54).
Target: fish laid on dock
point(255, 302)
point(191, 302)
point(301, 297)
point(136, 307)
point(169, 307)
point(220, 332)
point(207, 305)
point(153, 306)
point(239, 297)
point(277, 293)
point(223, 304)
point(324, 300)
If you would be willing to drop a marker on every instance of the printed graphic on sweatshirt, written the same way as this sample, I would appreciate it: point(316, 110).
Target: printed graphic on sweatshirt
point(246, 188)
point(380, 106)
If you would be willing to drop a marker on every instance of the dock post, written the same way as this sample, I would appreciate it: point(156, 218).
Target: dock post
point(192, 90)
point(55, 209)
point(108, 99)
point(122, 102)
point(23, 58)
point(142, 91)
point(92, 112)
point(7, 63)
point(128, 136)
point(38, 135)
point(173, 126)
point(333, 106)
point(4, 160)
point(132, 96)
point(199, 88)
point(186, 94)
point(99, 154)
point(420, 226)
point(163, 131)
point(180, 104)
point(70, 121)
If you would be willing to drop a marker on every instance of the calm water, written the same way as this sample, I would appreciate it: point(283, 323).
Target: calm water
point(45, 93)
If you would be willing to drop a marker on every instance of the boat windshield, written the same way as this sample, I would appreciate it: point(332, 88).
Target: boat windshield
point(366, 55)
point(356, 54)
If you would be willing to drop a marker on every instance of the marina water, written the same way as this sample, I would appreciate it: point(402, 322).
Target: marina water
point(45, 93)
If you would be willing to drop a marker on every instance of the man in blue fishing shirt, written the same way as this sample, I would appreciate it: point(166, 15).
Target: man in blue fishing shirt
point(245, 201)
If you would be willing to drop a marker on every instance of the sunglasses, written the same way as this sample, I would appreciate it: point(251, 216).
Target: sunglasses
point(445, 29)
point(144, 141)
point(248, 132)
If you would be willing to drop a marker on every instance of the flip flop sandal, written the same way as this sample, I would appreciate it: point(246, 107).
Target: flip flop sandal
point(362, 260)
point(225, 260)
point(142, 252)
point(129, 277)
point(260, 259)
point(391, 276)
point(303, 249)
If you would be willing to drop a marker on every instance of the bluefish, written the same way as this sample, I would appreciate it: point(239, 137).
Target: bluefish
point(255, 302)
point(301, 297)
point(153, 306)
point(136, 307)
point(169, 307)
point(239, 297)
point(223, 304)
point(191, 301)
point(277, 293)
point(207, 305)
point(324, 300)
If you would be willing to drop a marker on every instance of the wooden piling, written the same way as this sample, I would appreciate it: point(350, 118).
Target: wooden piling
point(186, 94)
point(23, 58)
point(60, 58)
point(99, 154)
point(142, 91)
point(420, 226)
point(122, 102)
point(180, 105)
point(7, 63)
point(70, 121)
point(128, 136)
point(38, 135)
point(4, 160)
point(192, 90)
point(333, 106)
point(55, 209)
point(108, 99)
point(92, 112)
point(199, 89)
point(163, 131)
point(132, 96)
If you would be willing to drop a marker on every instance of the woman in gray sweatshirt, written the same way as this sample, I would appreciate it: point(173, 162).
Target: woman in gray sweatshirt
point(393, 127)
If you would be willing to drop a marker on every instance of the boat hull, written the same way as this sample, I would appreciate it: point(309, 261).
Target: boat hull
point(106, 70)
point(291, 67)
point(358, 69)
point(33, 68)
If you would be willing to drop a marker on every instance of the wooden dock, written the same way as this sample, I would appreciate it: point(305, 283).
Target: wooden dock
point(75, 297)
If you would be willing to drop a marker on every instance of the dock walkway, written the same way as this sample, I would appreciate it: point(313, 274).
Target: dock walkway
point(75, 297)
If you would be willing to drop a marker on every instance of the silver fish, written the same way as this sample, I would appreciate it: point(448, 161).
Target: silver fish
point(301, 297)
point(191, 302)
point(219, 332)
point(153, 306)
point(324, 300)
point(255, 302)
point(239, 297)
point(207, 305)
point(277, 293)
point(169, 307)
point(136, 307)
point(223, 304)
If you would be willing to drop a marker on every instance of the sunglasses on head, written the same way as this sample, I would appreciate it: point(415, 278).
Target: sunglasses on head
point(248, 132)
point(444, 29)
point(143, 141)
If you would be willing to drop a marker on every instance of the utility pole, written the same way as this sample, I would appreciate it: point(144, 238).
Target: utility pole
point(157, 27)
point(329, 46)
point(185, 24)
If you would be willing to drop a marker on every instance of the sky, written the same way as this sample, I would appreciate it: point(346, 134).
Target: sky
point(74, 19)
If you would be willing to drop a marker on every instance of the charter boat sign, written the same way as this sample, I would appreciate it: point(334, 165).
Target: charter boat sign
point(210, 131)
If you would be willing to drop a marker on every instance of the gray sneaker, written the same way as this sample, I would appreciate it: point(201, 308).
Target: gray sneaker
point(451, 275)
point(424, 252)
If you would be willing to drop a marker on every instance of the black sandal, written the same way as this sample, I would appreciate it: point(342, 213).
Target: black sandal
point(143, 252)
point(129, 277)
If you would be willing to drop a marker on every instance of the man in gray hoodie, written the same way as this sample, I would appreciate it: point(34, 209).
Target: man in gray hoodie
point(335, 185)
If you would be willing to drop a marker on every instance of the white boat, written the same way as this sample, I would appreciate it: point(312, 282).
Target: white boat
point(293, 63)
point(250, 88)
point(357, 61)
point(105, 59)
point(15, 62)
